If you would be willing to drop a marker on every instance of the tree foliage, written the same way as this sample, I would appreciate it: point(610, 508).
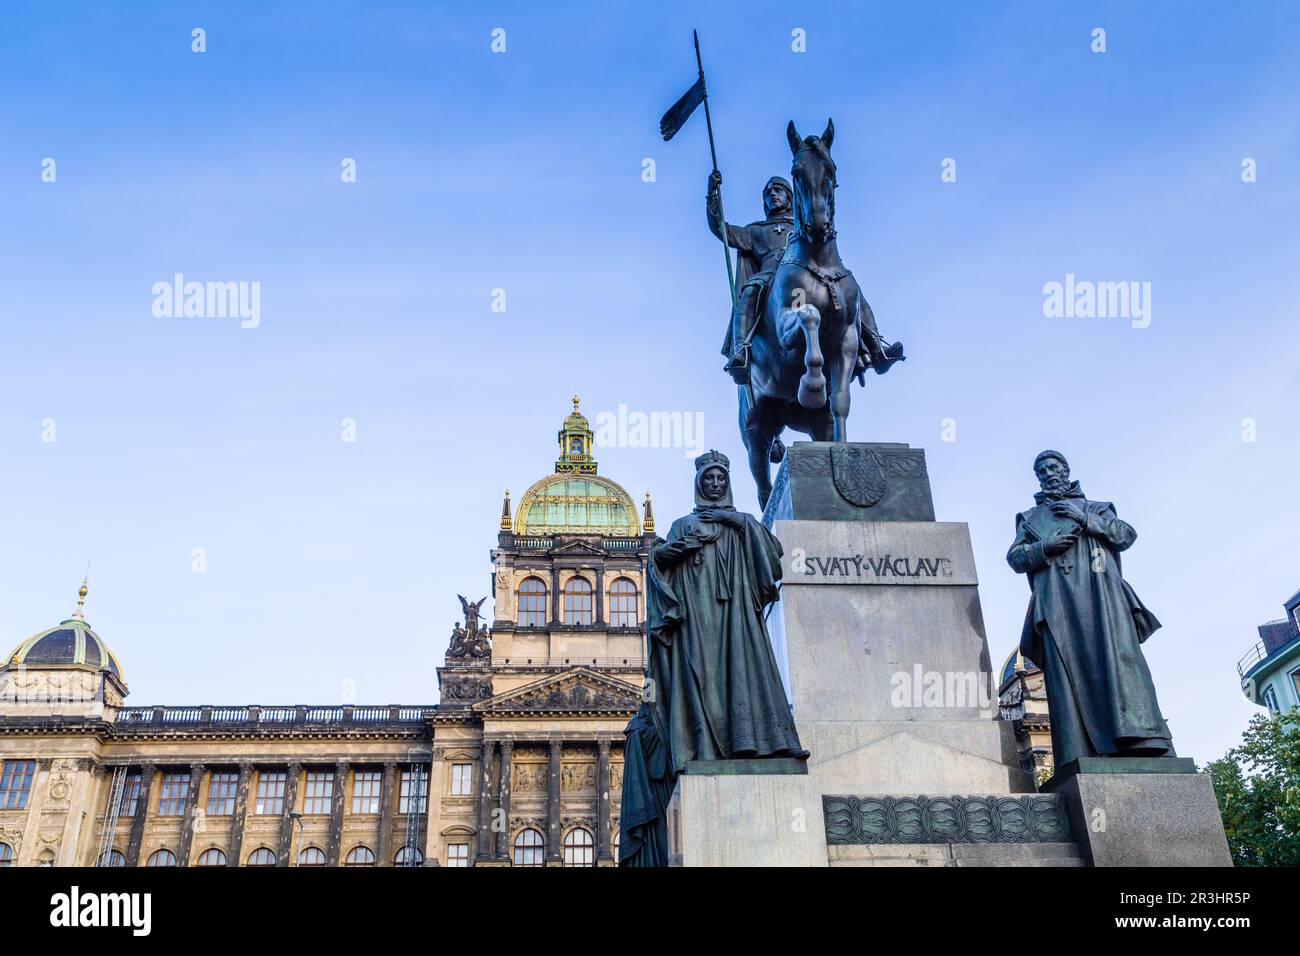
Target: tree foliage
point(1258, 787)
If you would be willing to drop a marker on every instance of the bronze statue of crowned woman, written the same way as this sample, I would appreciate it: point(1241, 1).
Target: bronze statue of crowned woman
point(713, 690)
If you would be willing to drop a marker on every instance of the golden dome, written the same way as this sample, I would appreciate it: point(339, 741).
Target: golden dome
point(577, 504)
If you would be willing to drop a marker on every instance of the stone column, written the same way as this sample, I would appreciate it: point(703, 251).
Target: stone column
point(191, 809)
point(240, 815)
point(92, 822)
point(147, 772)
point(600, 595)
point(333, 848)
point(503, 836)
point(436, 789)
point(384, 843)
point(602, 803)
point(285, 851)
point(553, 854)
point(81, 803)
point(555, 595)
point(35, 800)
point(483, 850)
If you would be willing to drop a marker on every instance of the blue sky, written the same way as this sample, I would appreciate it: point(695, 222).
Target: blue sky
point(333, 567)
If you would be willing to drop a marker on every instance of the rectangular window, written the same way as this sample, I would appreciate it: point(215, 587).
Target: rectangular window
point(130, 795)
point(365, 791)
point(462, 781)
point(419, 779)
point(171, 795)
point(221, 793)
point(15, 783)
point(270, 792)
point(622, 604)
point(532, 603)
point(1295, 682)
point(458, 854)
point(320, 791)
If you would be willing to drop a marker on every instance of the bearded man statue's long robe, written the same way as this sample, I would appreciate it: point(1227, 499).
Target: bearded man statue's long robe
point(1084, 628)
point(713, 688)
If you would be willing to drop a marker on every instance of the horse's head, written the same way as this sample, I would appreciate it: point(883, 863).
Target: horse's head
point(813, 173)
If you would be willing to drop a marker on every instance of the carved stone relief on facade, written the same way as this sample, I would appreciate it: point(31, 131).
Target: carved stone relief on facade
point(63, 773)
point(530, 777)
point(578, 776)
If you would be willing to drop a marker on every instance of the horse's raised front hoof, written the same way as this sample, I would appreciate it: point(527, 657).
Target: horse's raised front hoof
point(776, 451)
point(812, 392)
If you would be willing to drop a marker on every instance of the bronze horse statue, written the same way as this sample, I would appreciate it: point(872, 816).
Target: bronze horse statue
point(815, 332)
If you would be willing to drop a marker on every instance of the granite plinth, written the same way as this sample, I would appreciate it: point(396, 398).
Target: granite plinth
point(1140, 815)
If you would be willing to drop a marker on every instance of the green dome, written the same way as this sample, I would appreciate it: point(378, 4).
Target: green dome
point(576, 504)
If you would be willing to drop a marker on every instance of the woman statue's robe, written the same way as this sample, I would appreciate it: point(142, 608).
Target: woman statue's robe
point(711, 663)
point(713, 689)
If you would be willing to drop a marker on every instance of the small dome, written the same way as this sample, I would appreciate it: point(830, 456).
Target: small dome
point(1009, 667)
point(71, 644)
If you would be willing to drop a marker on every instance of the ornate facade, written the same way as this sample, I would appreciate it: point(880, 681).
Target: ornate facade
point(520, 762)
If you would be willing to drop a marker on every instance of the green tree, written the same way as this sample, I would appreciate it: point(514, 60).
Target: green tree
point(1258, 787)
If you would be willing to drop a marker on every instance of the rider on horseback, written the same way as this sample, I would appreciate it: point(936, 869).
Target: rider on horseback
point(759, 247)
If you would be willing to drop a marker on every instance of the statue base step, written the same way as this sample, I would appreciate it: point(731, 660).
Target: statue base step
point(958, 854)
point(1142, 811)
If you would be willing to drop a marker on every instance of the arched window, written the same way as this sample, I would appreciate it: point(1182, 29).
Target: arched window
point(529, 848)
point(212, 857)
point(360, 856)
point(111, 858)
point(161, 858)
point(579, 848)
point(6, 855)
point(577, 601)
point(311, 856)
point(416, 857)
point(532, 603)
point(622, 603)
point(261, 857)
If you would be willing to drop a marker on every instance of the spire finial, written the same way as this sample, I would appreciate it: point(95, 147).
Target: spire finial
point(648, 524)
point(79, 613)
point(575, 403)
point(505, 512)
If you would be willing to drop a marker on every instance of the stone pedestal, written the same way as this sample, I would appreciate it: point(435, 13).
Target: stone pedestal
point(745, 817)
point(1135, 811)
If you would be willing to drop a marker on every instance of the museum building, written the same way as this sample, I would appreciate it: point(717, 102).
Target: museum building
point(519, 764)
